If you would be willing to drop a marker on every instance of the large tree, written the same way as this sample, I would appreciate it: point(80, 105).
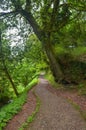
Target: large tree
point(46, 17)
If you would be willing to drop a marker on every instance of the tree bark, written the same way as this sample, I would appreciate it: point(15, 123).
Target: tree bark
point(37, 30)
point(10, 79)
point(54, 65)
point(43, 37)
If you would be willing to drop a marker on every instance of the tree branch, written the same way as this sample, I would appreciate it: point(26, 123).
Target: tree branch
point(74, 6)
point(7, 13)
point(54, 12)
point(55, 7)
point(28, 5)
point(65, 22)
point(36, 28)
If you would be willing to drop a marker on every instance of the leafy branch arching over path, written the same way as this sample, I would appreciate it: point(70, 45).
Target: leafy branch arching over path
point(55, 113)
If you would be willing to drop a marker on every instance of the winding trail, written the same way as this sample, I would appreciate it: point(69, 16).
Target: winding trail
point(55, 112)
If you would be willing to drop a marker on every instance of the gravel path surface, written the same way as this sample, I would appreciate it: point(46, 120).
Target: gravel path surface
point(55, 112)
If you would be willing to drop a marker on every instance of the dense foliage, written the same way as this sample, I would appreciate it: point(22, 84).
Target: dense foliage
point(22, 67)
point(9, 110)
point(50, 20)
point(41, 35)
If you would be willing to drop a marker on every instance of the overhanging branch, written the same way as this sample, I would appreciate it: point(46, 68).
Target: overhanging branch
point(74, 6)
point(54, 12)
point(7, 13)
point(36, 28)
point(65, 22)
point(28, 5)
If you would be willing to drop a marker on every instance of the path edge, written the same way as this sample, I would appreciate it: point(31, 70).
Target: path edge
point(31, 118)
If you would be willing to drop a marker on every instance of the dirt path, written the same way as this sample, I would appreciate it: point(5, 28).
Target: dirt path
point(22, 116)
point(55, 112)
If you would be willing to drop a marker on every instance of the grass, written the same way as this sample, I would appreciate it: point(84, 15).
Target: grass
point(31, 84)
point(32, 117)
point(82, 89)
point(51, 80)
point(8, 111)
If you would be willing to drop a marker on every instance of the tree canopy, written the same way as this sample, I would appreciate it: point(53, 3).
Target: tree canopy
point(50, 20)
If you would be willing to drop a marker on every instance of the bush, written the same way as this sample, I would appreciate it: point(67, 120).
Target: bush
point(73, 69)
point(7, 112)
point(31, 84)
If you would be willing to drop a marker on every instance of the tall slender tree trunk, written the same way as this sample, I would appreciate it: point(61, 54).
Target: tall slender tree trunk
point(5, 68)
point(10, 79)
point(54, 65)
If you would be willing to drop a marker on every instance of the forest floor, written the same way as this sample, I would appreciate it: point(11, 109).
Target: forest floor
point(55, 112)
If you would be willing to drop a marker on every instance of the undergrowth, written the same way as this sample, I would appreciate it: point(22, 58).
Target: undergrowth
point(8, 111)
point(31, 84)
point(51, 80)
point(79, 51)
point(82, 89)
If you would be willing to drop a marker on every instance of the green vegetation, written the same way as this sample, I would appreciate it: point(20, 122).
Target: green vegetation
point(82, 89)
point(20, 70)
point(51, 80)
point(31, 84)
point(8, 111)
point(53, 22)
point(57, 46)
point(79, 51)
point(41, 36)
point(32, 117)
point(73, 65)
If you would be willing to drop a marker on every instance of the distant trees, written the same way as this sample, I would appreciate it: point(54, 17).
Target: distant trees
point(18, 67)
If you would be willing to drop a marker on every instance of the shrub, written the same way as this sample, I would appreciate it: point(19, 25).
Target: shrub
point(73, 69)
point(7, 112)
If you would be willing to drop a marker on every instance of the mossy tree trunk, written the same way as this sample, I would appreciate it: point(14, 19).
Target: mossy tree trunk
point(54, 65)
point(10, 79)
